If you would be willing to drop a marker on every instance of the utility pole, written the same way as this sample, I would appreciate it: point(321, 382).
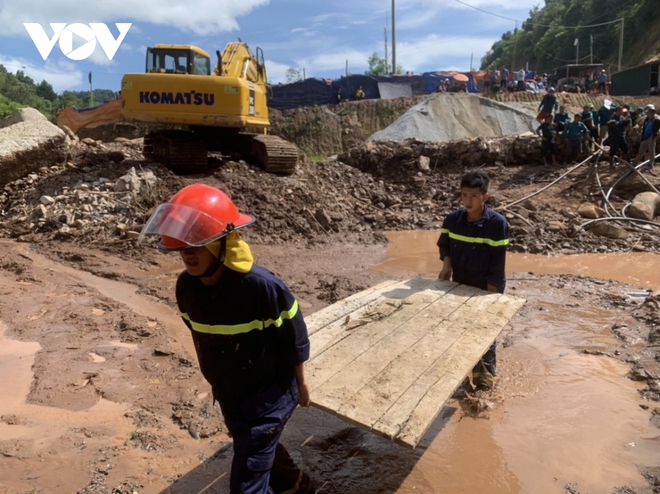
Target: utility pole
point(515, 44)
point(620, 45)
point(387, 68)
point(393, 40)
point(471, 56)
point(346, 68)
point(591, 51)
point(576, 43)
point(91, 94)
point(304, 76)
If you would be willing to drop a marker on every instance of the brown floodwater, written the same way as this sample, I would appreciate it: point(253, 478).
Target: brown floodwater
point(416, 252)
point(560, 416)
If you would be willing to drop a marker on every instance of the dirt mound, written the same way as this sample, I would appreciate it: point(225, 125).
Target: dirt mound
point(447, 117)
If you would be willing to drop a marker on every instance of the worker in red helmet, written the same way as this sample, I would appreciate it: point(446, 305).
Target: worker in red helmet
point(249, 334)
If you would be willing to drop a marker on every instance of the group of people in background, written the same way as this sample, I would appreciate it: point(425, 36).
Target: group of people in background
point(504, 80)
point(589, 83)
point(585, 130)
point(496, 80)
point(451, 86)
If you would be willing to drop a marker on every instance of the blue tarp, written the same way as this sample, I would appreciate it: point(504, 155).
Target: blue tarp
point(324, 91)
point(432, 80)
point(309, 92)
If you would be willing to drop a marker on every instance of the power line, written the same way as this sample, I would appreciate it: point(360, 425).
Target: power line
point(534, 23)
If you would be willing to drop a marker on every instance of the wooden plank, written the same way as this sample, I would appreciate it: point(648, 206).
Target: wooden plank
point(346, 346)
point(450, 370)
point(338, 329)
point(387, 359)
point(347, 382)
point(332, 312)
point(390, 423)
point(342, 308)
point(378, 395)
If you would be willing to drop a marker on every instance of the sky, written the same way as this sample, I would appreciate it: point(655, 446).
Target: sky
point(317, 37)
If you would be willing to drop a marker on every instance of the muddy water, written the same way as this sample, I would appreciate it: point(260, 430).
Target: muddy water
point(560, 416)
point(45, 425)
point(416, 252)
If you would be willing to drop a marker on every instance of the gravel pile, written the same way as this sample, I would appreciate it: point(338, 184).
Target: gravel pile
point(443, 118)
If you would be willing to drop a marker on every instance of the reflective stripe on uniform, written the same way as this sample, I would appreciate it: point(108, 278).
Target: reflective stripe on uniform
point(475, 240)
point(233, 329)
point(296, 486)
point(485, 375)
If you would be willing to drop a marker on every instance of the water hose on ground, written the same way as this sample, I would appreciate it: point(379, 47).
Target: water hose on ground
point(550, 184)
point(620, 218)
point(606, 196)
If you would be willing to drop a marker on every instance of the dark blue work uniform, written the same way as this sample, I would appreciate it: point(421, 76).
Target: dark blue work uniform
point(249, 334)
point(478, 254)
point(616, 130)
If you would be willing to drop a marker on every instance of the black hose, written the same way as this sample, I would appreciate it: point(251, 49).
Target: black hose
point(619, 218)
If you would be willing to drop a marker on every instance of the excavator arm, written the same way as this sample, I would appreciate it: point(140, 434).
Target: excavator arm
point(237, 61)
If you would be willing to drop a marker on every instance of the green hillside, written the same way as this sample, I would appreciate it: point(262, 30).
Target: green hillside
point(546, 39)
point(18, 90)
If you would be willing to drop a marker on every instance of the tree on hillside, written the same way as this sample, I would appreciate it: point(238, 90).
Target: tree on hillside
point(546, 39)
point(99, 95)
point(379, 66)
point(45, 90)
point(293, 75)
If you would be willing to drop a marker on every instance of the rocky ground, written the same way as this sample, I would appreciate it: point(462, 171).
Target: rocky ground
point(102, 343)
point(103, 195)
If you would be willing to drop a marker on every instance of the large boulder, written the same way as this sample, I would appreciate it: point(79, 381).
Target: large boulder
point(22, 115)
point(645, 206)
point(28, 145)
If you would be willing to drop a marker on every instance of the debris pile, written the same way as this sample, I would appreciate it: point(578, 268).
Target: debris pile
point(103, 193)
point(68, 202)
point(508, 151)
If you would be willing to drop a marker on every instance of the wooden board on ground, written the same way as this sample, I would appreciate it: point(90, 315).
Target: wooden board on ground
point(388, 358)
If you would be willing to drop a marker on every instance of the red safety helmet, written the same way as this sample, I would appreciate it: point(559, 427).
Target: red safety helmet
point(197, 215)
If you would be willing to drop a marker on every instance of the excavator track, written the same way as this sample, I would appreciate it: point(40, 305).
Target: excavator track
point(275, 154)
point(178, 150)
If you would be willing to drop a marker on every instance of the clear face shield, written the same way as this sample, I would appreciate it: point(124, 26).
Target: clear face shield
point(187, 226)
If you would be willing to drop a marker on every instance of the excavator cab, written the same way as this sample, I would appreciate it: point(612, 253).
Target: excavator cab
point(177, 59)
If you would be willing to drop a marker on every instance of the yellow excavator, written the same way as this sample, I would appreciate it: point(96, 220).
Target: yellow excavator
point(217, 106)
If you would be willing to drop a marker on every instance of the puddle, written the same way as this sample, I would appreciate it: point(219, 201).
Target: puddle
point(16, 360)
point(561, 416)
